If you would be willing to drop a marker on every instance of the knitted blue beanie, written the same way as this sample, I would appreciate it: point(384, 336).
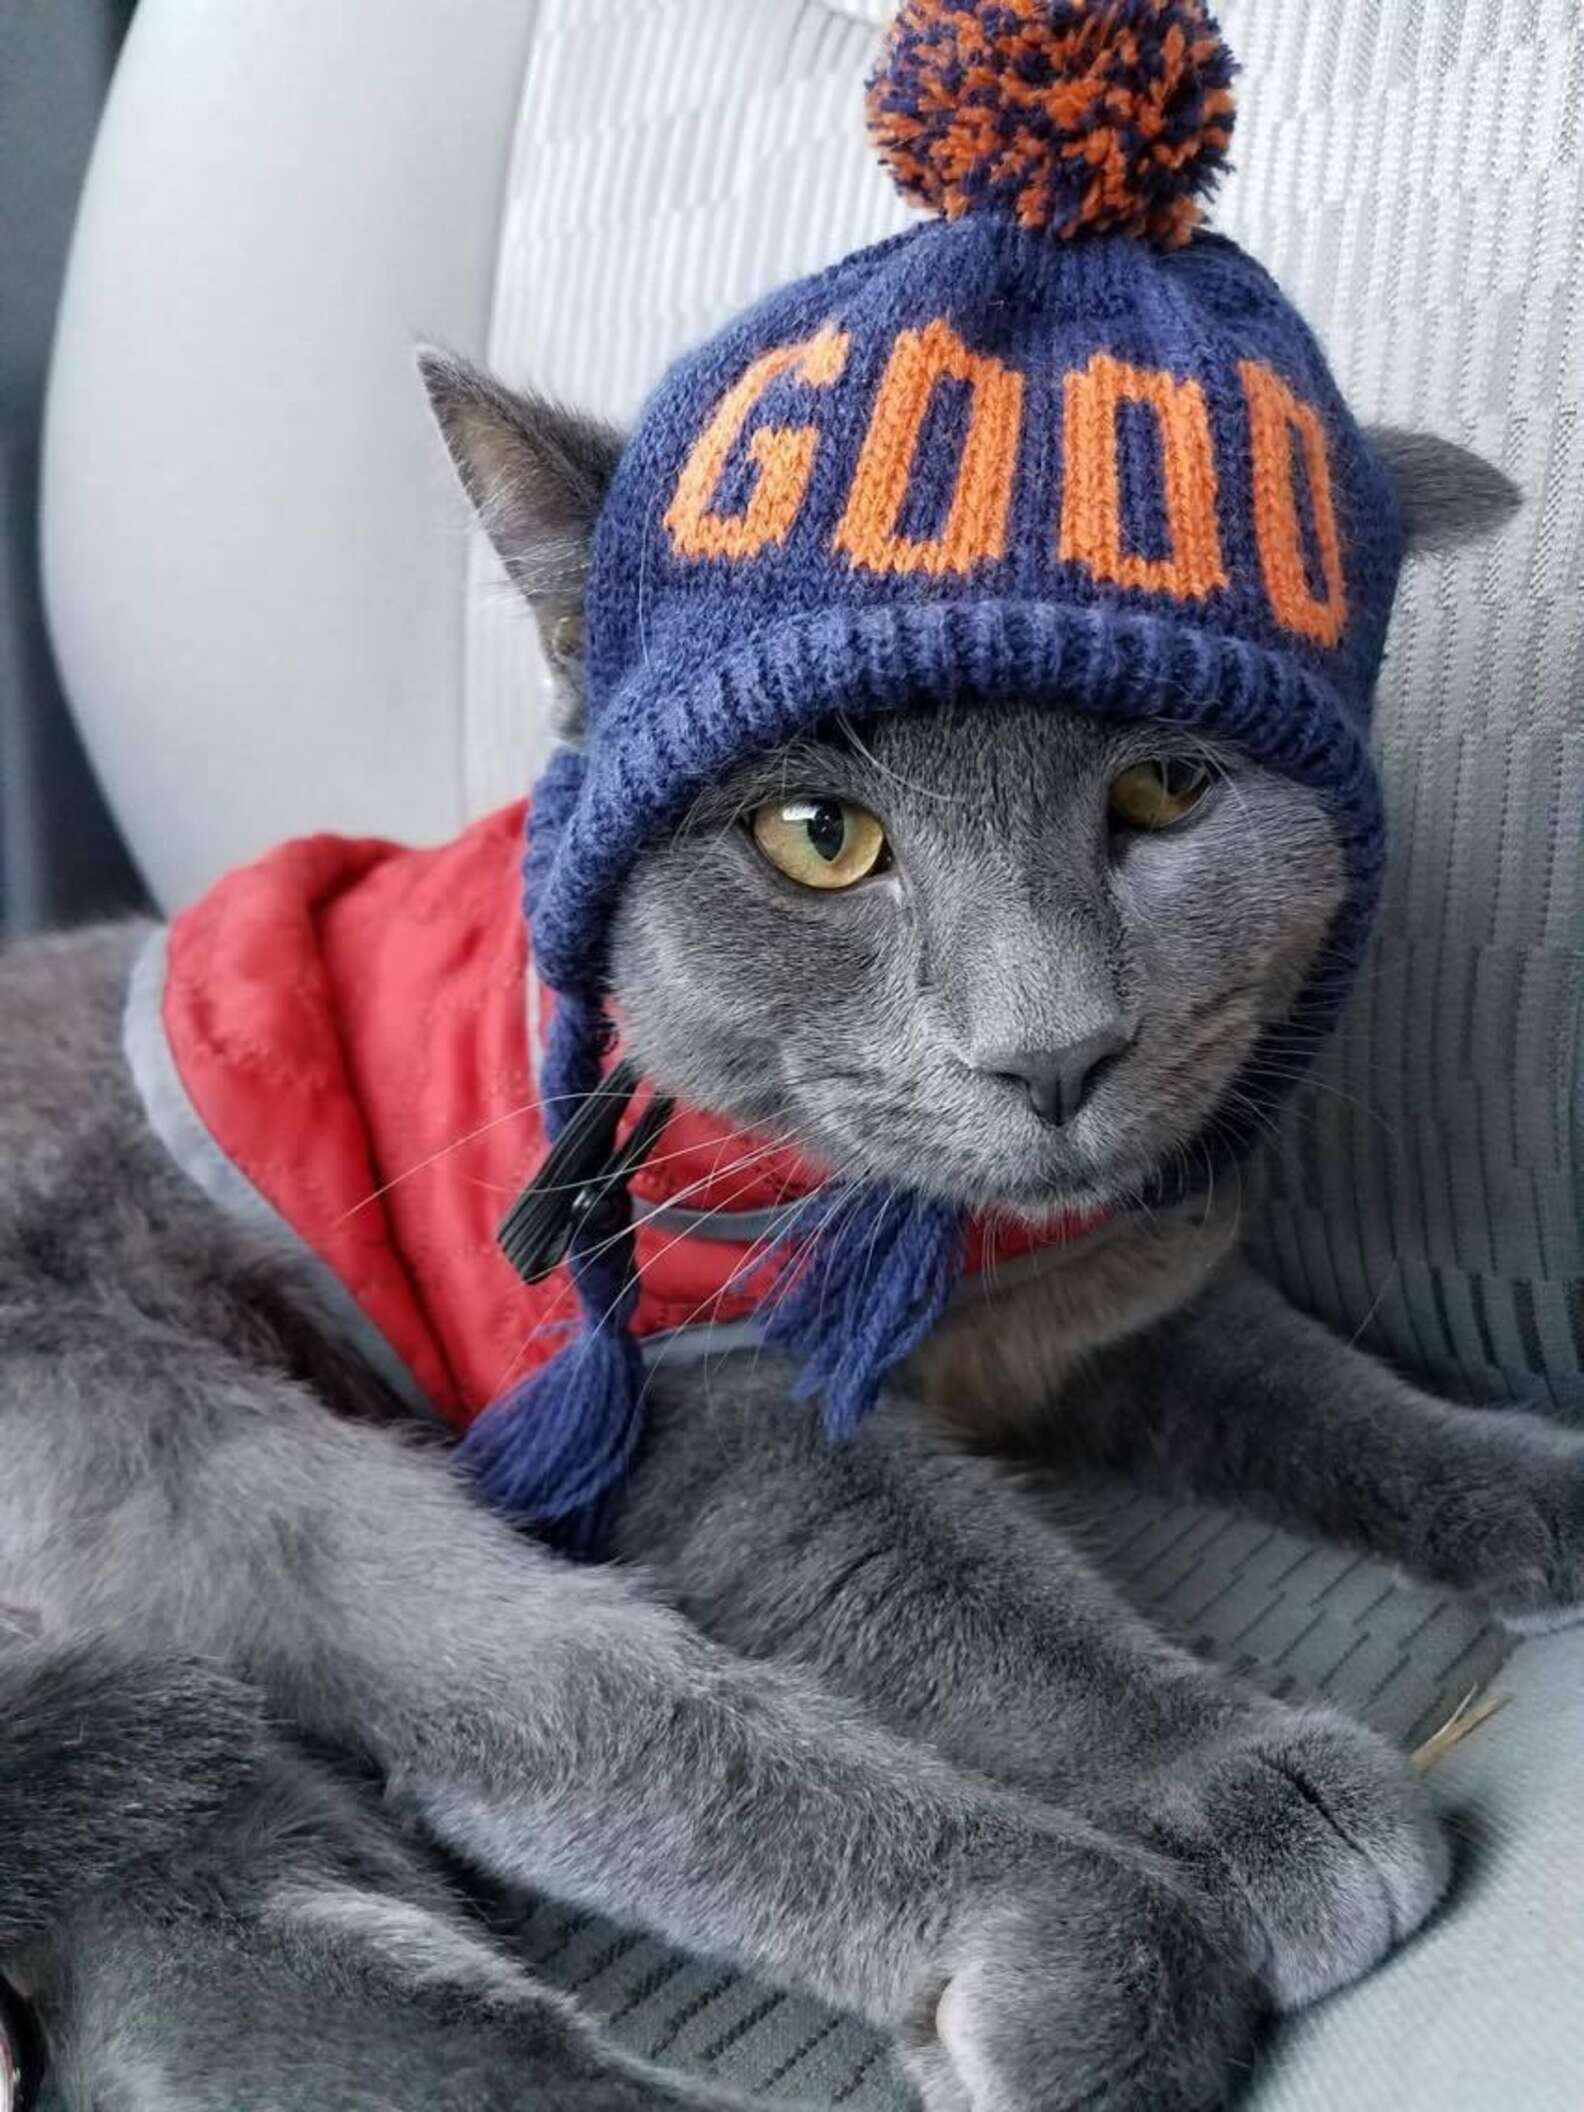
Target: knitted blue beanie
point(1055, 442)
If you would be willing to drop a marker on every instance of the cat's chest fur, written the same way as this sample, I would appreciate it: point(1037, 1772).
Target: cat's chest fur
point(1013, 1337)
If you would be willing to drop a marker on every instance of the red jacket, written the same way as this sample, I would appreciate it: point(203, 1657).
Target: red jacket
point(334, 1042)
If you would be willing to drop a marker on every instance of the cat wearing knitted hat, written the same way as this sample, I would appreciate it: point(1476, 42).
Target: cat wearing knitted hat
point(1046, 446)
point(963, 832)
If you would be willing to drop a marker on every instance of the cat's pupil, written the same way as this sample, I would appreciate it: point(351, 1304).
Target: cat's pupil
point(827, 829)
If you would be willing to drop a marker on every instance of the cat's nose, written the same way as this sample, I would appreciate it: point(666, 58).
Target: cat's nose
point(1058, 1081)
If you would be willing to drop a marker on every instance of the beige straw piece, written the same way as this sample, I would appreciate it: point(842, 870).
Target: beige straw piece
point(1473, 1710)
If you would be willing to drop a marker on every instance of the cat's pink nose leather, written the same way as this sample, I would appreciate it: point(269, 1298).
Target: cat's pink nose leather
point(1058, 1081)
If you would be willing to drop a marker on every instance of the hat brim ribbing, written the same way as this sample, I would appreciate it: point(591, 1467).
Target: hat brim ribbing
point(682, 735)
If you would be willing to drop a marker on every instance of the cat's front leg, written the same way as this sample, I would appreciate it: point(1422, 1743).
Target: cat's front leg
point(292, 1953)
point(1240, 1399)
point(558, 1728)
point(929, 1586)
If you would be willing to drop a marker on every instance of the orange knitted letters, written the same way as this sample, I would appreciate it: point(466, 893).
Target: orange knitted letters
point(976, 526)
point(1091, 518)
point(783, 456)
point(1091, 529)
point(1275, 414)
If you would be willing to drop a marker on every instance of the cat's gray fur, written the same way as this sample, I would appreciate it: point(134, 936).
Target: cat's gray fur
point(859, 1718)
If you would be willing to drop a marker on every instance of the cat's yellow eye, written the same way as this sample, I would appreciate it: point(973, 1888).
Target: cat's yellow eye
point(819, 842)
point(1158, 793)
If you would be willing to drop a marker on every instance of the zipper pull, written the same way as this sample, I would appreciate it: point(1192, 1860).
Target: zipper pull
point(583, 1179)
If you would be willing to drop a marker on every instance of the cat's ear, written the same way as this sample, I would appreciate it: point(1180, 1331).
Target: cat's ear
point(537, 476)
point(1448, 495)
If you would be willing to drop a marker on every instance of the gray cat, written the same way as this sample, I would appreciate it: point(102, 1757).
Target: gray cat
point(856, 1717)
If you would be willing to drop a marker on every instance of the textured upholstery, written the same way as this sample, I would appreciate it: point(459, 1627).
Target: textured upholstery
point(1480, 2014)
point(1416, 184)
point(259, 603)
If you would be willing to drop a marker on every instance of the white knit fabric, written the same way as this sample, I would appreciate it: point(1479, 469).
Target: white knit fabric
point(1414, 181)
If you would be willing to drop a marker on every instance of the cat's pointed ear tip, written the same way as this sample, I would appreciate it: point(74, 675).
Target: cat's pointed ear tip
point(1449, 494)
point(444, 374)
point(456, 386)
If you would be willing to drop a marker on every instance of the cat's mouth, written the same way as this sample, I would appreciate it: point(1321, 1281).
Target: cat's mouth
point(979, 1155)
point(1036, 1187)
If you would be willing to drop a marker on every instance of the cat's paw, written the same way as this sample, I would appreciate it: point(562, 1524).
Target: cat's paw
point(1513, 1536)
point(1320, 1836)
point(1134, 1993)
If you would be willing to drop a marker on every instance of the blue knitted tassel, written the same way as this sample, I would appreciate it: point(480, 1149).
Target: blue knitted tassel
point(550, 1452)
point(874, 1285)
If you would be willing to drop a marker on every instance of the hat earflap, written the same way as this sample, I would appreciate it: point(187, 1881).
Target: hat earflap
point(852, 1303)
point(549, 1452)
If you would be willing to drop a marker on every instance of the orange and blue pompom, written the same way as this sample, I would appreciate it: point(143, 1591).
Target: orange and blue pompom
point(1068, 117)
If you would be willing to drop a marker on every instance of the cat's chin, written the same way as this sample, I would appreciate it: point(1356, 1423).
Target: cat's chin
point(1014, 1187)
point(1040, 1194)
point(1043, 1204)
